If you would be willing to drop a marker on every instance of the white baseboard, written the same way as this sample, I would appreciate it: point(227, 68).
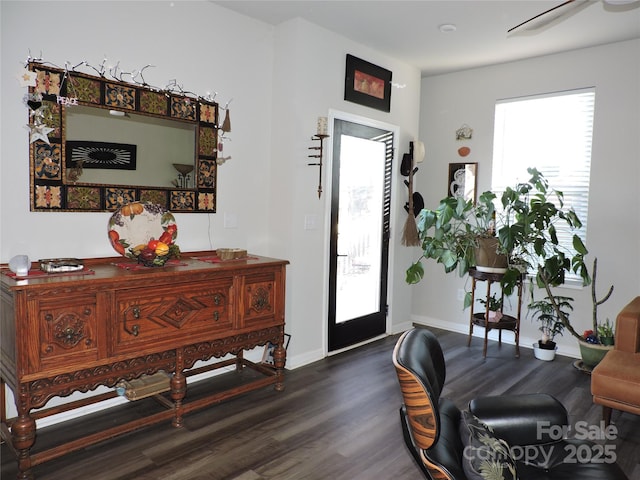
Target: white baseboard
point(525, 342)
point(80, 412)
point(306, 358)
point(401, 327)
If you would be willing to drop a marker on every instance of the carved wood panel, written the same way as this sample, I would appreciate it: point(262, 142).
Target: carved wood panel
point(169, 312)
point(68, 330)
point(259, 300)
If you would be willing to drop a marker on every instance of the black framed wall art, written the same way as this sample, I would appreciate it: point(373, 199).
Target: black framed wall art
point(367, 84)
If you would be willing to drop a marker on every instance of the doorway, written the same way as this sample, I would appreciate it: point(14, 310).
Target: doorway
point(359, 243)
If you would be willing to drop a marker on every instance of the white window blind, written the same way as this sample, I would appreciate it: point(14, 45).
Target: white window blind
point(553, 133)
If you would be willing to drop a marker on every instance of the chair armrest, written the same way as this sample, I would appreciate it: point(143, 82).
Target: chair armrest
point(522, 419)
point(628, 327)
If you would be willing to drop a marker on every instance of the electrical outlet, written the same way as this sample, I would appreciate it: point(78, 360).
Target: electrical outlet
point(230, 220)
point(461, 294)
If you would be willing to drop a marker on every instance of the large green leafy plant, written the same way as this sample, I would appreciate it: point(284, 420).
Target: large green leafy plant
point(532, 213)
point(449, 234)
point(527, 229)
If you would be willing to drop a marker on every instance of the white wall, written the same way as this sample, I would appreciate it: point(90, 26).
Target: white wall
point(448, 101)
point(203, 47)
point(309, 82)
point(280, 81)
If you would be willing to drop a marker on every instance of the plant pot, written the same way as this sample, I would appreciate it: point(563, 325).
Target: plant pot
point(592, 354)
point(548, 345)
point(543, 353)
point(606, 341)
point(487, 257)
point(494, 317)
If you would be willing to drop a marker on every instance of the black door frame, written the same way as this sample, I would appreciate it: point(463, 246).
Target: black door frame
point(369, 326)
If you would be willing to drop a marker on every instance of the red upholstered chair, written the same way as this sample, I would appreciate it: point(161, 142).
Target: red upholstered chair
point(615, 382)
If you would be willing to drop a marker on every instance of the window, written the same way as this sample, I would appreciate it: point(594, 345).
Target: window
point(552, 133)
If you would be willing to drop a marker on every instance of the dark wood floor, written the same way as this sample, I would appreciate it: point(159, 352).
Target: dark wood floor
point(338, 419)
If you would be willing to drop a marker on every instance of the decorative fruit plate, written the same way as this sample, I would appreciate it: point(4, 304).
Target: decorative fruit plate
point(144, 231)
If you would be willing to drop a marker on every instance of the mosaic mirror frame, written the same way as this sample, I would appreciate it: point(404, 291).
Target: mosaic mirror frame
point(52, 188)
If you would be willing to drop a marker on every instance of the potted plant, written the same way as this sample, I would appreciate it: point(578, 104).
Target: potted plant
point(530, 233)
point(526, 234)
point(605, 333)
point(532, 212)
point(551, 325)
point(453, 233)
point(494, 305)
point(595, 343)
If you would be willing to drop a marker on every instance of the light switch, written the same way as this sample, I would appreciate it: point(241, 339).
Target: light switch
point(310, 221)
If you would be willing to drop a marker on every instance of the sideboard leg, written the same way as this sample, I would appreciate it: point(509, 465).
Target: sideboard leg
point(279, 360)
point(239, 361)
point(178, 390)
point(23, 434)
point(178, 386)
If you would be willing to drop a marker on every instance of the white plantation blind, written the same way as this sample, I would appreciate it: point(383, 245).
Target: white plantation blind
point(553, 133)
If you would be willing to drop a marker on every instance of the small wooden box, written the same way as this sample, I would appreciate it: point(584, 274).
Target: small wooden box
point(146, 386)
point(231, 253)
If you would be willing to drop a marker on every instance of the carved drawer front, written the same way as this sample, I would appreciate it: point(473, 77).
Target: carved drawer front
point(259, 296)
point(157, 315)
point(67, 330)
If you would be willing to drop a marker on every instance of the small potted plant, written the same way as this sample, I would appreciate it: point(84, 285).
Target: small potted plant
point(605, 333)
point(596, 342)
point(495, 307)
point(544, 311)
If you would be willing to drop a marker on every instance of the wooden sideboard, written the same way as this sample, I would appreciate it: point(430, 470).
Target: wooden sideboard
point(72, 333)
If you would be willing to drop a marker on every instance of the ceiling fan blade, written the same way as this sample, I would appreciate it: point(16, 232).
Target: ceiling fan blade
point(549, 16)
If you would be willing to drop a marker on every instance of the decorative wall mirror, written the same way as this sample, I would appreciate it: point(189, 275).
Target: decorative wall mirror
point(97, 144)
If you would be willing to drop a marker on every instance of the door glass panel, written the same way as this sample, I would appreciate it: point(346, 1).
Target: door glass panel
point(362, 165)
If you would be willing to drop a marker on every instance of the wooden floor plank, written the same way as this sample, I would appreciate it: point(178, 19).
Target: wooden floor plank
point(337, 418)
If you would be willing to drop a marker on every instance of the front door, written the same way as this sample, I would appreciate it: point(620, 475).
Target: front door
point(359, 244)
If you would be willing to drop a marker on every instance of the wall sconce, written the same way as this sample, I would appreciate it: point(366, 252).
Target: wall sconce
point(319, 137)
point(184, 175)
